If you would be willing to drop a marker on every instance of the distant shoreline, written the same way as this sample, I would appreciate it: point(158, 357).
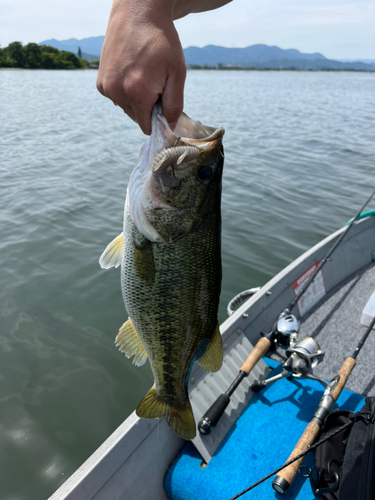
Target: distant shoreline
point(220, 69)
point(326, 70)
point(45, 69)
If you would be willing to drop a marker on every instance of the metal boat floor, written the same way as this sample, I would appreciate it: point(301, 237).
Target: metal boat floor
point(335, 323)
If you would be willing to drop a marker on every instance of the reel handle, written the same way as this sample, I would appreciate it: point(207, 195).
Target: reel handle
point(260, 349)
point(285, 478)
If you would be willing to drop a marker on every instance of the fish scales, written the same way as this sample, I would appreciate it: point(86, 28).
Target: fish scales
point(159, 311)
point(170, 256)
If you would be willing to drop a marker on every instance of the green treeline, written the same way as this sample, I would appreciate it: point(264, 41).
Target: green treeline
point(34, 56)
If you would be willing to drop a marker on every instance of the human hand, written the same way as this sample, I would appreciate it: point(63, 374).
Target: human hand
point(141, 59)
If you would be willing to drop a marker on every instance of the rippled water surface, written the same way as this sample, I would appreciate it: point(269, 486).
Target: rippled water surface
point(299, 163)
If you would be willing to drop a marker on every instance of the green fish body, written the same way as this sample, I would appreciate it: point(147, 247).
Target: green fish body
point(171, 264)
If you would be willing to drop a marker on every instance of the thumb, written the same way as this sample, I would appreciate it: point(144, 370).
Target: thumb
point(173, 98)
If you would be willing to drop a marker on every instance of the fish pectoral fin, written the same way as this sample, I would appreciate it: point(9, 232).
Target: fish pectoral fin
point(180, 419)
point(112, 255)
point(144, 263)
point(129, 343)
point(212, 359)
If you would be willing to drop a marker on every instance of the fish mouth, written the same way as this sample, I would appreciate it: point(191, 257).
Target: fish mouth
point(202, 141)
point(194, 133)
point(189, 141)
point(187, 131)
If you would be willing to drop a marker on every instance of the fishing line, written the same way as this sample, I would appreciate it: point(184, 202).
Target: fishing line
point(311, 448)
point(283, 334)
point(283, 481)
point(329, 436)
point(311, 278)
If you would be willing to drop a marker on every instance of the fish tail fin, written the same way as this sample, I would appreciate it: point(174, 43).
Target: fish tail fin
point(180, 419)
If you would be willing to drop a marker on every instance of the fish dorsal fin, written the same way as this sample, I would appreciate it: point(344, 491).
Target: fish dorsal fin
point(129, 343)
point(180, 418)
point(112, 255)
point(212, 359)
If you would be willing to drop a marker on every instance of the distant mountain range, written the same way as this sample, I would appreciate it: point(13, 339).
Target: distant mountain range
point(255, 56)
point(212, 54)
point(263, 56)
point(90, 46)
point(368, 61)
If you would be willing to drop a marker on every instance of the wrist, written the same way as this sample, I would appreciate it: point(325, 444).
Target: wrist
point(184, 7)
point(145, 10)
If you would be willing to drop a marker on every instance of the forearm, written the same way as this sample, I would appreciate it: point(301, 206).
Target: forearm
point(144, 10)
point(166, 8)
point(184, 7)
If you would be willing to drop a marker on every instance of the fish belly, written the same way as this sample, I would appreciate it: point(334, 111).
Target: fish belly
point(171, 293)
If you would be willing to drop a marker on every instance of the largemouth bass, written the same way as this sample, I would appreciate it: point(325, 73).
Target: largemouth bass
point(170, 256)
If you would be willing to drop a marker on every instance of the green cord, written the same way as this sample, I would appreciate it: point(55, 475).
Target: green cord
point(363, 215)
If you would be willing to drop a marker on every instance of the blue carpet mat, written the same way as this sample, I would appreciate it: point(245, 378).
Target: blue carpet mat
point(260, 441)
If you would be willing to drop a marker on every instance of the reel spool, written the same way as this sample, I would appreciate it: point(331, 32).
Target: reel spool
point(303, 357)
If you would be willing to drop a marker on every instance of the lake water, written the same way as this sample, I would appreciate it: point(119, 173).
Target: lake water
point(300, 150)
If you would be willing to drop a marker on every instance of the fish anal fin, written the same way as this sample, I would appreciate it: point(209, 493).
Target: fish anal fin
point(112, 255)
point(129, 343)
point(212, 358)
point(180, 418)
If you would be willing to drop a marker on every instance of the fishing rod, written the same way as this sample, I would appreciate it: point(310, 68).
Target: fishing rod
point(284, 333)
point(285, 478)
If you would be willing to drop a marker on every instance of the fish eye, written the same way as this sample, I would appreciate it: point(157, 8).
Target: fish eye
point(204, 173)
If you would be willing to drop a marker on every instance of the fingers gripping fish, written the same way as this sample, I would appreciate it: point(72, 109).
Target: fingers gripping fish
point(170, 256)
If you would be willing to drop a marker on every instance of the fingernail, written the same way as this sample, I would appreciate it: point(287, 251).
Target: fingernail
point(172, 125)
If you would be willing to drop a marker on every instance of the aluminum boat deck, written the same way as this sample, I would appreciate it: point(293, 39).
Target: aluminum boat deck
point(335, 323)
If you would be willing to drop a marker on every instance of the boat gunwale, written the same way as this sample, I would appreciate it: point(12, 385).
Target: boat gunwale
point(136, 430)
point(263, 298)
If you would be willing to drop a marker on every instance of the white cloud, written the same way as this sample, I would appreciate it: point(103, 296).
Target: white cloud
point(337, 28)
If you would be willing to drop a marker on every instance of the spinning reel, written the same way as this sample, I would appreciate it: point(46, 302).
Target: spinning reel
point(301, 356)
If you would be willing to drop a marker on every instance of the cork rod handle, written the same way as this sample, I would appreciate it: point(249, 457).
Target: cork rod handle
point(307, 439)
point(344, 373)
point(312, 430)
point(260, 349)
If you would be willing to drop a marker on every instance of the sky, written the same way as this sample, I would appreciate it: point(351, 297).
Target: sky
point(339, 29)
